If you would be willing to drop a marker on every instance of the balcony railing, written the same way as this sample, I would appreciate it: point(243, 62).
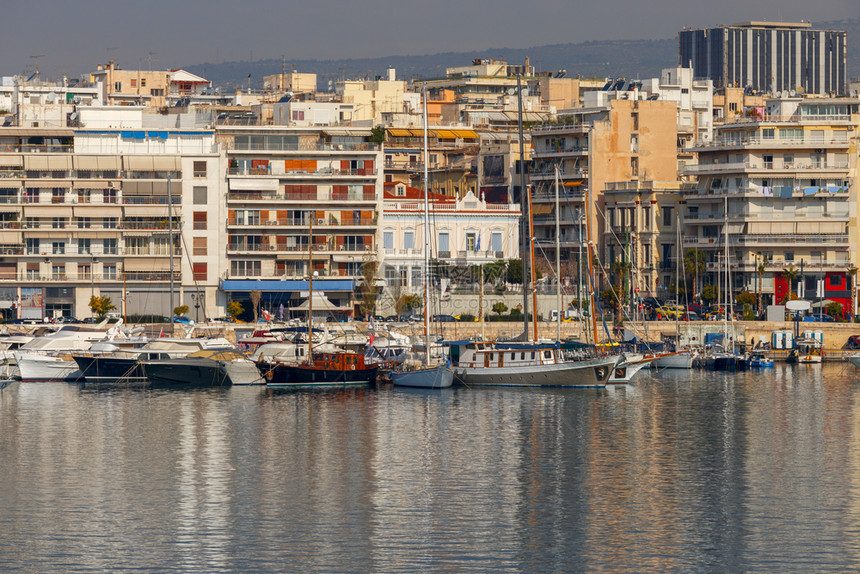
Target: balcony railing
point(251, 171)
point(744, 166)
point(279, 197)
point(30, 276)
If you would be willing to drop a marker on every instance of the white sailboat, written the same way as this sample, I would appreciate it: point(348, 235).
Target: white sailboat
point(427, 375)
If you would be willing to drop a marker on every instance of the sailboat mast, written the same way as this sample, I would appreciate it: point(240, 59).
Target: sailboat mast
point(726, 257)
point(677, 279)
point(557, 261)
point(170, 240)
point(590, 267)
point(313, 215)
point(532, 272)
point(426, 239)
point(523, 205)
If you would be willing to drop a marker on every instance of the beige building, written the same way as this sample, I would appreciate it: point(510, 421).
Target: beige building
point(452, 155)
point(373, 98)
point(151, 88)
point(296, 82)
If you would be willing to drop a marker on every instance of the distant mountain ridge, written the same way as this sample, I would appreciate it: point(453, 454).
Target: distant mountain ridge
point(602, 58)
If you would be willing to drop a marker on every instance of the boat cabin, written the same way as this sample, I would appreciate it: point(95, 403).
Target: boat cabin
point(339, 361)
point(475, 354)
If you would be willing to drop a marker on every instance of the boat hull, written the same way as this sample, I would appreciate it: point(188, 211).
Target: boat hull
point(286, 376)
point(681, 360)
point(172, 374)
point(623, 372)
point(430, 378)
point(42, 368)
point(575, 374)
point(110, 369)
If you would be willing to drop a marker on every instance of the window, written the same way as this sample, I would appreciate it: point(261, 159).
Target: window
point(199, 271)
point(634, 166)
point(200, 247)
point(58, 271)
point(733, 106)
point(117, 86)
point(244, 268)
point(84, 195)
point(199, 195)
point(496, 242)
point(199, 169)
point(58, 196)
point(143, 82)
point(58, 222)
point(133, 83)
point(137, 245)
point(85, 271)
point(247, 217)
point(109, 246)
point(84, 247)
point(471, 242)
point(646, 218)
point(388, 240)
point(109, 271)
point(667, 216)
point(157, 92)
point(789, 255)
point(110, 222)
point(32, 271)
point(109, 196)
point(32, 246)
point(84, 223)
point(199, 220)
point(444, 246)
point(408, 239)
point(298, 115)
point(646, 251)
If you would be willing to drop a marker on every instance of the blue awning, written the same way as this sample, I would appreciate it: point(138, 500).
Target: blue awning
point(289, 285)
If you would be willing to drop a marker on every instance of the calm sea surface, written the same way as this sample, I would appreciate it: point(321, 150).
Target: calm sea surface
point(678, 472)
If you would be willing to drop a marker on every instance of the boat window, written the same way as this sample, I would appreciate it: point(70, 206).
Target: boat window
point(547, 354)
point(491, 356)
point(513, 356)
point(522, 356)
point(533, 355)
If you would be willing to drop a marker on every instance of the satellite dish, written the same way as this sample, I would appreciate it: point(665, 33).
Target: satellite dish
point(784, 94)
point(793, 93)
point(797, 305)
point(77, 99)
point(52, 97)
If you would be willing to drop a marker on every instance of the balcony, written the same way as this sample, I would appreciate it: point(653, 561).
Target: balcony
point(321, 174)
point(767, 143)
point(273, 197)
point(738, 167)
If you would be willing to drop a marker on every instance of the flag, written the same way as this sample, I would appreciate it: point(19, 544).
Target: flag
point(267, 316)
point(372, 337)
point(478, 244)
point(160, 335)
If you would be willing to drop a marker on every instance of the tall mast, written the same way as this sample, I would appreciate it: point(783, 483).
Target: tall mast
point(726, 257)
point(590, 267)
point(557, 261)
point(677, 279)
point(311, 288)
point(426, 239)
point(533, 279)
point(170, 240)
point(523, 206)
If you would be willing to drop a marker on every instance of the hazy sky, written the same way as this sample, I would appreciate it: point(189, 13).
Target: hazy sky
point(73, 37)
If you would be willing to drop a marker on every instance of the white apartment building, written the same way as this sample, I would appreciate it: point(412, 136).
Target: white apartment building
point(467, 231)
point(86, 212)
point(788, 176)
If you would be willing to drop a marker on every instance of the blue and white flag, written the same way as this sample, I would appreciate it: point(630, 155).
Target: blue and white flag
point(478, 244)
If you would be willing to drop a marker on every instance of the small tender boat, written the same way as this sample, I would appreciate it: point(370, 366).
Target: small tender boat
point(758, 359)
point(438, 377)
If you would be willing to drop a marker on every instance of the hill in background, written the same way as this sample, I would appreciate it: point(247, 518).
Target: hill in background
point(606, 58)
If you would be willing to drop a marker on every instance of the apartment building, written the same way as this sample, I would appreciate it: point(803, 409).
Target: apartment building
point(631, 139)
point(783, 183)
point(92, 212)
point(151, 88)
point(465, 231)
point(36, 103)
point(297, 196)
point(772, 57)
point(452, 153)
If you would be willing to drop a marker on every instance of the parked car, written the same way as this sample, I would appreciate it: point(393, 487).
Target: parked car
point(391, 319)
point(443, 318)
point(819, 318)
point(67, 320)
point(468, 317)
point(853, 342)
point(183, 320)
point(227, 319)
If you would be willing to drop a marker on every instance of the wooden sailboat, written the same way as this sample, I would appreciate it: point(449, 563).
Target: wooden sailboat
point(427, 376)
point(340, 368)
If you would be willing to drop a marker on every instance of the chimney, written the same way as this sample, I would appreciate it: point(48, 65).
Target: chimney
point(392, 74)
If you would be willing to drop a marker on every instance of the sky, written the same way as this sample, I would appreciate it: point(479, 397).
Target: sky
point(73, 38)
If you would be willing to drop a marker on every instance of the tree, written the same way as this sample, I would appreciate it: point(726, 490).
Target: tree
point(834, 309)
point(791, 274)
point(255, 302)
point(499, 308)
point(377, 135)
point(760, 269)
point(695, 265)
point(514, 272)
point(179, 311)
point(368, 291)
point(747, 300)
point(234, 309)
point(407, 303)
point(100, 306)
point(709, 294)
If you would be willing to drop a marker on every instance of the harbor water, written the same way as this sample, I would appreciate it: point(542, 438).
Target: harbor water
point(683, 471)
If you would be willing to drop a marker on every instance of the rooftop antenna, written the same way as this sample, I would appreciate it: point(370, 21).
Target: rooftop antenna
point(149, 58)
point(36, 58)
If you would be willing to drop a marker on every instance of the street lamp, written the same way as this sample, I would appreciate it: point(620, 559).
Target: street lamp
point(196, 298)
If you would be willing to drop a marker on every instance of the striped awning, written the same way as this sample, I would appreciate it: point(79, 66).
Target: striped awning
point(399, 133)
point(466, 134)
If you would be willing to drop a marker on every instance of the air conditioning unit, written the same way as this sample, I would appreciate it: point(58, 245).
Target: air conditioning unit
point(321, 221)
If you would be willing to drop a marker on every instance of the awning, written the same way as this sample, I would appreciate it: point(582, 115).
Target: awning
point(288, 285)
point(87, 162)
point(263, 184)
point(98, 210)
point(45, 162)
point(736, 228)
point(445, 134)
point(49, 234)
point(96, 234)
point(109, 163)
point(47, 184)
point(10, 237)
point(466, 134)
point(146, 264)
point(139, 163)
point(399, 133)
point(94, 184)
point(782, 227)
point(137, 188)
point(47, 210)
point(808, 227)
point(352, 132)
point(572, 183)
point(11, 161)
point(542, 209)
point(166, 163)
point(147, 210)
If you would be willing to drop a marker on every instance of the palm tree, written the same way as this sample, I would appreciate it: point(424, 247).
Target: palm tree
point(791, 274)
point(695, 264)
